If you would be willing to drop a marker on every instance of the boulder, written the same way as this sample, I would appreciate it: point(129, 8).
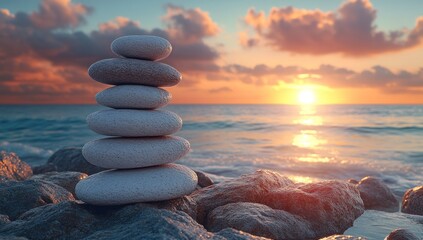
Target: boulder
point(68, 159)
point(330, 206)
point(19, 197)
point(66, 180)
point(259, 220)
point(334, 203)
point(376, 195)
point(247, 188)
point(343, 237)
point(203, 179)
point(412, 202)
point(71, 220)
point(12, 168)
point(401, 234)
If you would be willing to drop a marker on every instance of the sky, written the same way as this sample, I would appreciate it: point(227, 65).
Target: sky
point(229, 52)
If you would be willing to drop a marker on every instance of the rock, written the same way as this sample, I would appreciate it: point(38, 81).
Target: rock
point(334, 203)
point(133, 97)
point(12, 168)
point(68, 159)
point(376, 195)
point(66, 180)
point(4, 219)
point(19, 197)
point(137, 185)
point(185, 204)
point(203, 179)
point(142, 47)
point(247, 188)
point(352, 181)
point(260, 220)
point(121, 71)
point(402, 234)
point(232, 234)
point(134, 123)
point(412, 201)
point(70, 220)
point(343, 237)
point(124, 153)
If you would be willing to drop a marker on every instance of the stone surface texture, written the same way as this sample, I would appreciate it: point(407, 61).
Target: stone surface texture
point(376, 195)
point(66, 180)
point(412, 201)
point(133, 97)
point(68, 159)
point(142, 47)
point(134, 123)
point(402, 234)
point(19, 197)
point(119, 71)
point(137, 185)
point(12, 168)
point(123, 153)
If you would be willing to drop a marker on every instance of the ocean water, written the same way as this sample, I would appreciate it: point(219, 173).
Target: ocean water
point(306, 143)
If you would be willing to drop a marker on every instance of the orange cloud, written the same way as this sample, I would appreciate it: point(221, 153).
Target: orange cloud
point(350, 30)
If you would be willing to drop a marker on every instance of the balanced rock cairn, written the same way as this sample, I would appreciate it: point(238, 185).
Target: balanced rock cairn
point(141, 153)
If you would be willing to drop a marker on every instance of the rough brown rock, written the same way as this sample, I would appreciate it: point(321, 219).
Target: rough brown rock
point(12, 168)
point(412, 202)
point(376, 195)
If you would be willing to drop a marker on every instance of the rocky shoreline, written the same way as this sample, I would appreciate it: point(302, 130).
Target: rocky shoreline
point(40, 203)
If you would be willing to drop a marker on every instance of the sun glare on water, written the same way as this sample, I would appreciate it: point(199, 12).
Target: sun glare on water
point(306, 96)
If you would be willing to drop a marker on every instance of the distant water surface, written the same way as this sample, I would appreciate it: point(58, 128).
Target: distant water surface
point(306, 143)
point(303, 142)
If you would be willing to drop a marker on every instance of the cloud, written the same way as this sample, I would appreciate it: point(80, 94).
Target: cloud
point(350, 30)
point(220, 90)
point(47, 57)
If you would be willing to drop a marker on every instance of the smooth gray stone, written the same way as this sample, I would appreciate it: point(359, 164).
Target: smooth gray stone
point(133, 97)
point(134, 123)
point(116, 187)
point(142, 47)
point(123, 153)
point(119, 71)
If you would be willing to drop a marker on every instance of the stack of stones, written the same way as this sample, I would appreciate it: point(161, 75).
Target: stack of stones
point(141, 153)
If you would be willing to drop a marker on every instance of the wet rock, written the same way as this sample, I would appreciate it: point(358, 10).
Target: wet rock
point(247, 188)
point(259, 220)
point(412, 201)
point(376, 195)
point(402, 234)
point(330, 206)
point(12, 168)
point(68, 159)
point(66, 180)
point(71, 220)
point(343, 237)
point(185, 204)
point(203, 179)
point(19, 197)
point(4, 219)
point(233, 234)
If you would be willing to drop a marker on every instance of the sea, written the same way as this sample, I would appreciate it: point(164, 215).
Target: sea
point(304, 142)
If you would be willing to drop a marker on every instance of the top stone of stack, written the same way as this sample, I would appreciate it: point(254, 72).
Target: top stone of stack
point(143, 47)
point(138, 66)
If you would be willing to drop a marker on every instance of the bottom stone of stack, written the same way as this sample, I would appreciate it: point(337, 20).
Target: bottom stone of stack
point(115, 187)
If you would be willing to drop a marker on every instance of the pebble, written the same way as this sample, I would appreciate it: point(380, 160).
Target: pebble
point(145, 47)
point(120, 71)
point(157, 183)
point(123, 153)
point(133, 97)
point(134, 123)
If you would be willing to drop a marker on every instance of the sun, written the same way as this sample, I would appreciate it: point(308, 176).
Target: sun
point(306, 96)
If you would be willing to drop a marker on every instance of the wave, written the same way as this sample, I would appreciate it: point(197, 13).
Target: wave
point(386, 130)
point(28, 153)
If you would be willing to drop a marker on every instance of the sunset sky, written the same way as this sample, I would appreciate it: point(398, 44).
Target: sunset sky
point(354, 51)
